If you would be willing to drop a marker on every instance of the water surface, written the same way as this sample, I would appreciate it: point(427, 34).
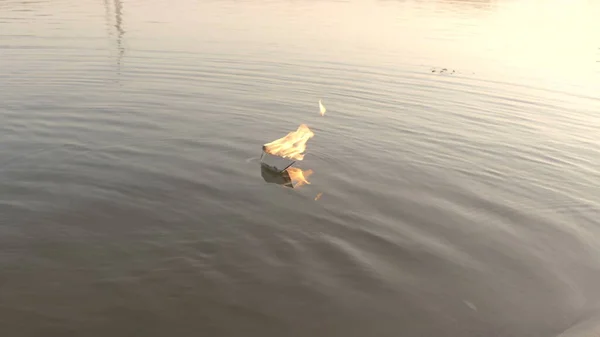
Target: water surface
point(458, 202)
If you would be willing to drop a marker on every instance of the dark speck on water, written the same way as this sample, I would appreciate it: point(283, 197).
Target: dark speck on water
point(133, 203)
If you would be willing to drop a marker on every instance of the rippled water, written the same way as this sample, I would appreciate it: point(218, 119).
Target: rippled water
point(463, 202)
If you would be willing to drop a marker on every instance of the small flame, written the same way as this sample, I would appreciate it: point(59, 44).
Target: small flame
point(322, 108)
point(318, 196)
point(299, 176)
point(292, 145)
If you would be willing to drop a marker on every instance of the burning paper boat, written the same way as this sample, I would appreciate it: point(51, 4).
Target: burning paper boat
point(282, 153)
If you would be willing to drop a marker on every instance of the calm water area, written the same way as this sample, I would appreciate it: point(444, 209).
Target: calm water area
point(456, 173)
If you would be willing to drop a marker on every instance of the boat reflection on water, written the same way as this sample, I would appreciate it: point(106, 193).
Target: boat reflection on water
point(291, 177)
point(273, 177)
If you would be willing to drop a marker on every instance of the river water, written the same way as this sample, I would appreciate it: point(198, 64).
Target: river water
point(458, 167)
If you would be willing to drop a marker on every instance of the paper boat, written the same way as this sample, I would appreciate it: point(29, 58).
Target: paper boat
point(275, 163)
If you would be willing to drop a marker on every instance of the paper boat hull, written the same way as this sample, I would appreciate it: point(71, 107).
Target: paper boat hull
point(275, 163)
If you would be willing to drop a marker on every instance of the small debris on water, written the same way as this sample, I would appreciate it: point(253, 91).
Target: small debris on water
point(322, 108)
point(443, 70)
point(470, 305)
point(318, 196)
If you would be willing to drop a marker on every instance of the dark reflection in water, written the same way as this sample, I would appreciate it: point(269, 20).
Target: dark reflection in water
point(279, 178)
point(118, 26)
point(292, 176)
